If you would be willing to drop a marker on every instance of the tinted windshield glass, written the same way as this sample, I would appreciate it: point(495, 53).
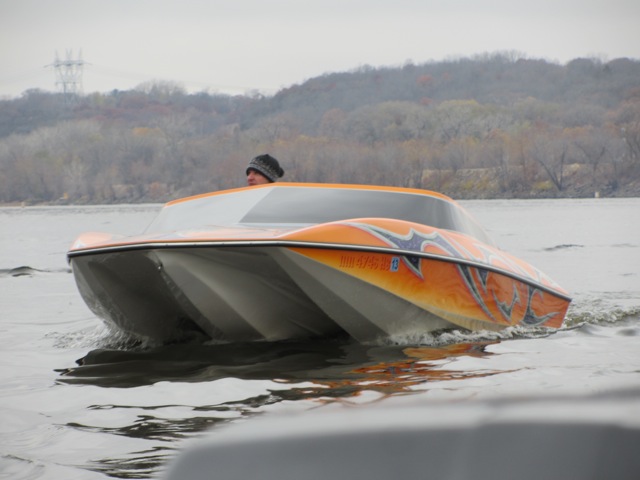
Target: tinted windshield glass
point(312, 205)
point(297, 205)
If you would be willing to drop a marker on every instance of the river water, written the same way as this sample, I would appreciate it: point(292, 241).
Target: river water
point(79, 402)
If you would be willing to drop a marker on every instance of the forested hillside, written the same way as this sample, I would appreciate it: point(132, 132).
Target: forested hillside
point(496, 125)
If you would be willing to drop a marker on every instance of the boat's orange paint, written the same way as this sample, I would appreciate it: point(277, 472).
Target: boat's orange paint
point(446, 288)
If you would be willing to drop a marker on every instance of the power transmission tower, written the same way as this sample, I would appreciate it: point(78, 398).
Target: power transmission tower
point(69, 75)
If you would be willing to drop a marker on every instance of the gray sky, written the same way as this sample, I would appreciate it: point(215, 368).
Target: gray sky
point(235, 46)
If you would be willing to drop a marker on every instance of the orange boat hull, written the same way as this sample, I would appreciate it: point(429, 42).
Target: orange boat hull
point(366, 277)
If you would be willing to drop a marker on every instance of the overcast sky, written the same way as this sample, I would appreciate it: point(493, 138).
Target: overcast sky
point(235, 46)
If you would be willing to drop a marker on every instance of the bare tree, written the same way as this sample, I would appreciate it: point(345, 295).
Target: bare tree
point(550, 152)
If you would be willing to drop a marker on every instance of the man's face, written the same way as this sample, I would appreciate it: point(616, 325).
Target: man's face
point(256, 178)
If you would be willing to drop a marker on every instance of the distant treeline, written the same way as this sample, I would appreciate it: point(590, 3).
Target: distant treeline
point(495, 125)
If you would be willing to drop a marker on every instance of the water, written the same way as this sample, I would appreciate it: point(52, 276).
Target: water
point(78, 402)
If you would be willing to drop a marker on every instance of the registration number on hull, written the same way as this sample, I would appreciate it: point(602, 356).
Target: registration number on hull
point(370, 262)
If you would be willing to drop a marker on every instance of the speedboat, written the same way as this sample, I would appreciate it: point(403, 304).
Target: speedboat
point(289, 261)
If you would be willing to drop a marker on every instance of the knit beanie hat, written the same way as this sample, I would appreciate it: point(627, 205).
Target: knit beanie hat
point(267, 166)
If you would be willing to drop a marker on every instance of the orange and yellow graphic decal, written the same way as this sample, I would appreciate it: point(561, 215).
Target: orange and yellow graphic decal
point(452, 281)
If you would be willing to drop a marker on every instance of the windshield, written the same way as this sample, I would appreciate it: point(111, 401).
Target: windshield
point(305, 205)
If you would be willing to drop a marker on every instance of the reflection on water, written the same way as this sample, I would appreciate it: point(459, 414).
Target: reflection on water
point(145, 465)
point(327, 371)
point(330, 364)
point(318, 373)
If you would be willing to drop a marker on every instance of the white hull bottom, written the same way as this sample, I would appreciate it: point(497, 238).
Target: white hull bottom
point(240, 294)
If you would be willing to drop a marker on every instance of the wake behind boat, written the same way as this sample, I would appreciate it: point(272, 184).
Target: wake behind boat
point(289, 261)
